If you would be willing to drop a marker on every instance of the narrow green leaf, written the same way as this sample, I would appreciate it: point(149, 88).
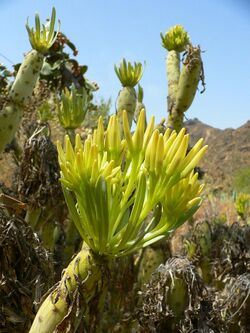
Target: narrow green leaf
point(52, 25)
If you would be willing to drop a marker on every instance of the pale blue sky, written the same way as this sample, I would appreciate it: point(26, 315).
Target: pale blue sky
point(106, 31)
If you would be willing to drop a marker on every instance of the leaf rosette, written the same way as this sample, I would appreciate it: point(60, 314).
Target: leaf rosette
point(176, 38)
point(41, 39)
point(111, 185)
point(129, 74)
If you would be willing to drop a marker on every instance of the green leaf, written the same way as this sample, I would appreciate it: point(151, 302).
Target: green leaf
point(103, 214)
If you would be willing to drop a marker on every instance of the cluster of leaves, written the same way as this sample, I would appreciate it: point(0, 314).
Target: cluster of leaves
point(117, 183)
point(175, 39)
point(129, 74)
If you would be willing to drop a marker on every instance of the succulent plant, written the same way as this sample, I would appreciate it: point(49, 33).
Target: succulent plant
point(110, 187)
point(175, 39)
point(150, 261)
point(42, 40)
point(189, 79)
point(30, 69)
point(175, 300)
point(199, 249)
point(139, 171)
point(182, 82)
point(73, 108)
point(129, 75)
point(28, 73)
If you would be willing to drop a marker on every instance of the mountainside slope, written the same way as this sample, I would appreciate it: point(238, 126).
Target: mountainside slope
point(228, 152)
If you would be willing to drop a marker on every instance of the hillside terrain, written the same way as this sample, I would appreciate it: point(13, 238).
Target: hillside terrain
point(228, 152)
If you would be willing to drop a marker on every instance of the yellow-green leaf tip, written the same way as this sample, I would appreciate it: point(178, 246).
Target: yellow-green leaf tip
point(129, 74)
point(73, 108)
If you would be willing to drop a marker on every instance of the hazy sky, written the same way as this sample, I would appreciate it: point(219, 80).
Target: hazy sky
point(106, 31)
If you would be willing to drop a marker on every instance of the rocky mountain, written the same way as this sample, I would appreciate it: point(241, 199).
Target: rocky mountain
point(228, 152)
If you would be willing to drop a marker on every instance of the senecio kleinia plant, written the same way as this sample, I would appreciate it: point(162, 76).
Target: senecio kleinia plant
point(129, 75)
point(182, 82)
point(174, 41)
point(41, 40)
point(110, 186)
point(73, 108)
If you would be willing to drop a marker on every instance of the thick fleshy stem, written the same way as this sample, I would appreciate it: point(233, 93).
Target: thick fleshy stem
point(175, 119)
point(182, 83)
point(126, 101)
point(191, 74)
point(21, 90)
point(10, 117)
point(27, 76)
point(81, 281)
point(173, 75)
